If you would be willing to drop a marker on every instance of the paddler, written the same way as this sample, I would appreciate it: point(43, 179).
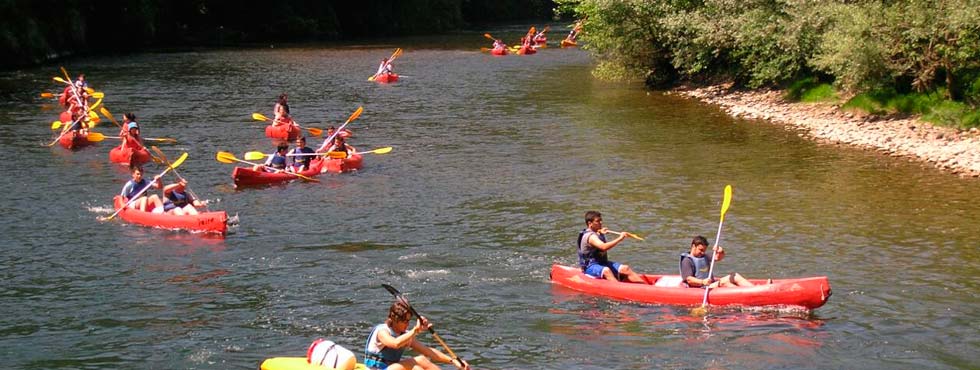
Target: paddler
point(497, 44)
point(276, 162)
point(178, 201)
point(302, 155)
point(592, 249)
point(384, 68)
point(136, 186)
point(696, 263)
point(339, 145)
point(388, 341)
point(130, 133)
point(282, 106)
point(345, 133)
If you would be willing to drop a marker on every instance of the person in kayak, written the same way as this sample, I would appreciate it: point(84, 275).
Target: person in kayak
point(282, 106)
point(592, 249)
point(384, 68)
point(498, 44)
point(301, 155)
point(136, 186)
point(345, 133)
point(276, 162)
point(130, 133)
point(178, 201)
point(388, 341)
point(339, 145)
point(696, 263)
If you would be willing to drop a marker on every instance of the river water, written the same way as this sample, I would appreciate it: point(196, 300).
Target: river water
point(495, 161)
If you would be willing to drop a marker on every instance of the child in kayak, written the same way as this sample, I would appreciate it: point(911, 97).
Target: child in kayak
point(136, 186)
point(384, 68)
point(592, 248)
point(388, 341)
point(302, 155)
point(178, 201)
point(276, 162)
point(695, 266)
point(339, 145)
point(130, 133)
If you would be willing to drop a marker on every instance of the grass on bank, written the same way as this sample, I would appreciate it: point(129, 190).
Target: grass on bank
point(932, 106)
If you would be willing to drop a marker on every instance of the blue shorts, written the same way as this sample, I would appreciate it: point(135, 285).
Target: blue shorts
point(595, 269)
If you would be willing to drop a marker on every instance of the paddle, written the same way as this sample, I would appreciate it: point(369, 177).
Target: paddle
point(98, 136)
point(174, 165)
point(402, 299)
point(631, 235)
point(97, 95)
point(394, 55)
point(703, 310)
point(313, 130)
point(487, 35)
point(65, 130)
point(226, 157)
point(353, 116)
point(162, 140)
point(254, 156)
point(93, 118)
point(163, 157)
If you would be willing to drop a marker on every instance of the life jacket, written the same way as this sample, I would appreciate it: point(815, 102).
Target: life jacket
point(134, 188)
point(178, 199)
point(302, 160)
point(587, 254)
point(277, 161)
point(701, 264)
point(376, 356)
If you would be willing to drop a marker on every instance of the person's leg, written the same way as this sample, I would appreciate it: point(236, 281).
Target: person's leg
point(190, 210)
point(607, 274)
point(741, 281)
point(627, 272)
point(422, 362)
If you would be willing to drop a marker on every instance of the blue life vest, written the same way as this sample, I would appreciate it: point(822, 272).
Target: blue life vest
point(134, 188)
point(302, 160)
point(178, 199)
point(701, 264)
point(587, 254)
point(277, 161)
point(380, 358)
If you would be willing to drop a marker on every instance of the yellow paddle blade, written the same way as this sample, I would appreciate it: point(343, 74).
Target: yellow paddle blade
point(315, 131)
point(225, 157)
point(397, 53)
point(179, 161)
point(47, 95)
point(97, 103)
point(337, 155)
point(162, 140)
point(371, 78)
point(65, 72)
point(259, 117)
point(59, 79)
point(254, 156)
point(357, 113)
point(98, 95)
point(56, 125)
point(384, 150)
point(90, 90)
point(487, 35)
point(727, 202)
point(95, 136)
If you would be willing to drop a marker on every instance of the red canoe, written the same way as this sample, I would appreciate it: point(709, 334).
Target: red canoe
point(121, 154)
point(212, 222)
point(71, 140)
point(526, 50)
point(65, 117)
point(246, 176)
point(499, 51)
point(283, 132)
point(386, 78)
point(541, 41)
point(566, 43)
point(807, 293)
point(339, 165)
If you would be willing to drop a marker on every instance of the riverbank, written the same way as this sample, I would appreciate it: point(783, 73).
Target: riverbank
point(952, 150)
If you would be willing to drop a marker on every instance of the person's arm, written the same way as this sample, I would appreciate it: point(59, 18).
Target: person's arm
point(596, 242)
point(687, 273)
point(720, 252)
point(406, 339)
point(126, 189)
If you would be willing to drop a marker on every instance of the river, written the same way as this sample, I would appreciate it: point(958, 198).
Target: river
point(495, 161)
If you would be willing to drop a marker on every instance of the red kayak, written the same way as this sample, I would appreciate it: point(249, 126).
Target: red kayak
point(541, 41)
point(526, 50)
point(65, 117)
point(499, 51)
point(246, 176)
point(212, 222)
point(807, 293)
point(386, 78)
point(340, 165)
point(127, 155)
point(566, 43)
point(283, 132)
point(74, 140)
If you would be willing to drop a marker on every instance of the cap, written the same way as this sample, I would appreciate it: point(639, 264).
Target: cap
point(132, 125)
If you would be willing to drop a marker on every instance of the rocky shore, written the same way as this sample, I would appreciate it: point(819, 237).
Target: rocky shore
point(952, 150)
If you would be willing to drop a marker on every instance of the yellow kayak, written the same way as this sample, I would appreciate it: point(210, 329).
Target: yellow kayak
point(295, 363)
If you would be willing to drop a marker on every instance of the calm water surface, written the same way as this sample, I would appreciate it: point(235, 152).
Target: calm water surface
point(495, 161)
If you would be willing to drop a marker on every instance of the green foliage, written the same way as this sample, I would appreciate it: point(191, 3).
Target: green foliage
point(932, 106)
point(810, 90)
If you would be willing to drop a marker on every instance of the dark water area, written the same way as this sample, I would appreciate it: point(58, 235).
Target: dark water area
point(495, 161)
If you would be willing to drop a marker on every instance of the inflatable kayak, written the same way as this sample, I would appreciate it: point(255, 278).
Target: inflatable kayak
point(65, 117)
point(339, 165)
point(386, 78)
point(541, 42)
point(526, 50)
point(213, 222)
point(246, 176)
point(124, 155)
point(296, 363)
point(498, 51)
point(287, 132)
point(74, 140)
point(808, 293)
point(568, 43)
